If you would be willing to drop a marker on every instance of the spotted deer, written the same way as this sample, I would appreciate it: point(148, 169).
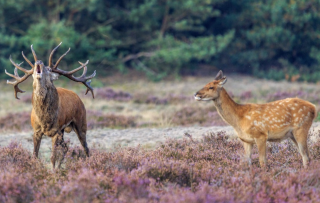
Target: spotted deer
point(54, 110)
point(259, 123)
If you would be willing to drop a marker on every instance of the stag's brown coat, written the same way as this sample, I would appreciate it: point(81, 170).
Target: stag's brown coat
point(55, 110)
point(259, 123)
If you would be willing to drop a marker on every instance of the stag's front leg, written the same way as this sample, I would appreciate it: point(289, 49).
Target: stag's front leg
point(37, 136)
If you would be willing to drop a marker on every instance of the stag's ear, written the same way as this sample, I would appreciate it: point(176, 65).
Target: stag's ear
point(223, 80)
point(54, 76)
point(219, 75)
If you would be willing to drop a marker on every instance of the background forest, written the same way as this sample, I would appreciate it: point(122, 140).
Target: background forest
point(266, 38)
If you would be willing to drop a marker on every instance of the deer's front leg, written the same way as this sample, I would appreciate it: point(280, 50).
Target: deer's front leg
point(37, 136)
point(248, 151)
point(262, 148)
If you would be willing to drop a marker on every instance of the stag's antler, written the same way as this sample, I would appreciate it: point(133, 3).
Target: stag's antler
point(83, 78)
point(16, 75)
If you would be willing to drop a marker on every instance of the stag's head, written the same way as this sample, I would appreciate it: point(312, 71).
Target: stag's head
point(43, 76)
point(211, 91)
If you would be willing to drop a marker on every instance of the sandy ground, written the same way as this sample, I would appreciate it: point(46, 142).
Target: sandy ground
point(106, 139)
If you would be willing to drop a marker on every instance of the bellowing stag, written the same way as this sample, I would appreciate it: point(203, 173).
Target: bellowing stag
point(54, 110)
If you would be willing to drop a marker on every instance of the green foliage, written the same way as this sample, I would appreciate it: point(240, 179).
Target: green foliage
point(271, 39)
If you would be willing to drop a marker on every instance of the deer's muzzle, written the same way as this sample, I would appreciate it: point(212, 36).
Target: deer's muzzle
point(38, 70)
point(197, 97)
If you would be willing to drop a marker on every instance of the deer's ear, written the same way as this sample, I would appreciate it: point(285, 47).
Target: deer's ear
point(219, 75)
point(54, 76)
point(223, 80)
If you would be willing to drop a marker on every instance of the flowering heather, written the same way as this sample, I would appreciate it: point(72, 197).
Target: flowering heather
point(15, 122)
point(27, 98)
point(191, 115)
point(212, 169)
point(97, 119)
point(169, 99)
point(246, 96)
point(110, 94)
point(309, 96)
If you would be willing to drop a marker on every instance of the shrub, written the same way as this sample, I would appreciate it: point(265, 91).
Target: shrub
point(96, 119)
point(211, 169)
point(110, 94)
point(192, 115)
point(15, 122)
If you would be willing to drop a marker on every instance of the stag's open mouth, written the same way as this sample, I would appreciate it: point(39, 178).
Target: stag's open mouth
point(38, 71)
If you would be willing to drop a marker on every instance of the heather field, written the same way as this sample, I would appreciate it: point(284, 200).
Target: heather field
point(152, 142)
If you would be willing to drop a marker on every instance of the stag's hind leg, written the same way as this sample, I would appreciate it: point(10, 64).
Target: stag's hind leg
point(59, 149)
point(301, 137)
point(81, 131)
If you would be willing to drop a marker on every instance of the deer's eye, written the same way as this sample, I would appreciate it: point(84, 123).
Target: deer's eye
point(211, 88)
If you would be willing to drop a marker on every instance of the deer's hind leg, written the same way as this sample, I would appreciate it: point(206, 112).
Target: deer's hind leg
point(301, 137)
point(81, 131)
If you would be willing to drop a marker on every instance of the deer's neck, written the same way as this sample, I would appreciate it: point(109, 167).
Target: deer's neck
point(45, 102)
point(228, 109)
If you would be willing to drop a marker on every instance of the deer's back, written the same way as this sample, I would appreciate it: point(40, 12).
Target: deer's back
point(278, 118)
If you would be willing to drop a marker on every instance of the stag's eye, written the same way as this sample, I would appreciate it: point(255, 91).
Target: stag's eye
point(211, 88)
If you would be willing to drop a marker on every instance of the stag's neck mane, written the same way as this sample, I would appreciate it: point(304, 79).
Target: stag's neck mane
point(229, 110)
point(45, 102)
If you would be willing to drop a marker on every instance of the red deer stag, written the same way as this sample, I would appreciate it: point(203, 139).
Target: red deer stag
point(259, 123)
point(54, 110)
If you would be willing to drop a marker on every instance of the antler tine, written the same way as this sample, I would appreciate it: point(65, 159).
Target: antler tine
point(51, 54)
point(61, 57)
point(88, 79)
point(18, 80)
point(17, 66)
point(25, 58)
point(83, 79)
point(77, 69)
point(34, 53)
point(15, 76)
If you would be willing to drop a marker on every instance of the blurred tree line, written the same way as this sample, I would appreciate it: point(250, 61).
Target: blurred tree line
point(267, 38)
